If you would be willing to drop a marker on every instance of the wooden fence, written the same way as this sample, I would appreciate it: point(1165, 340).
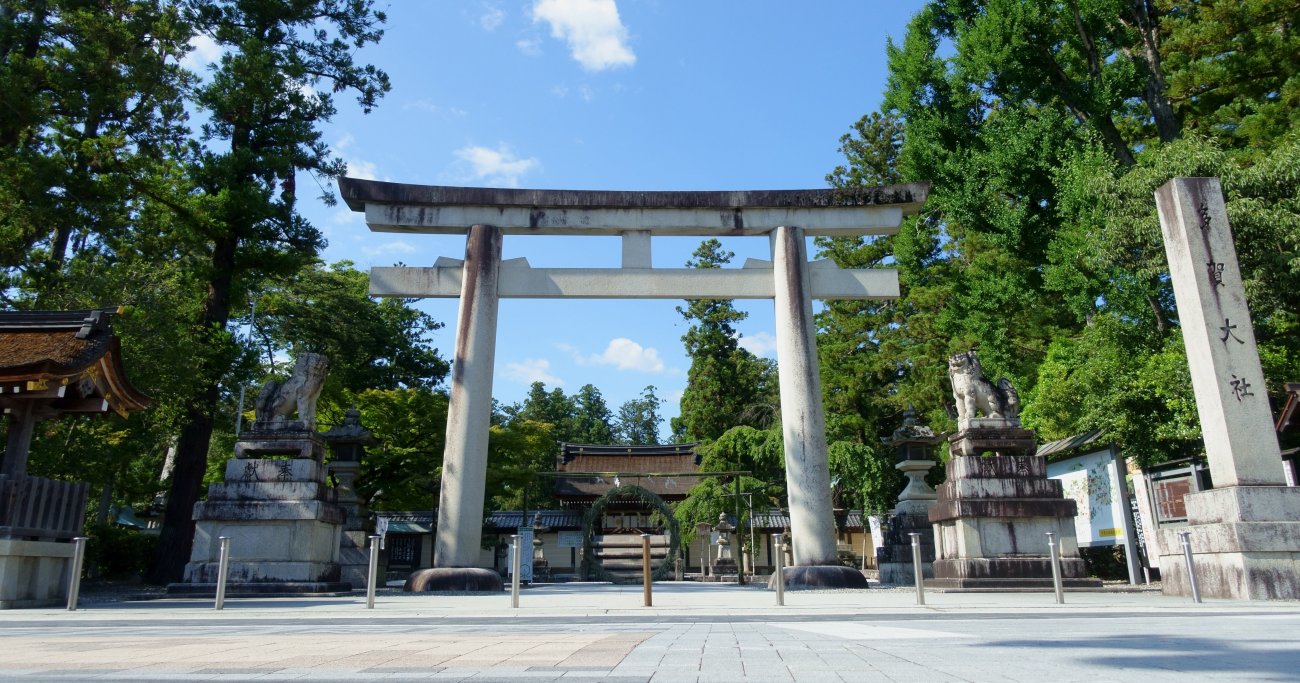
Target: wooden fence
point(41, 509)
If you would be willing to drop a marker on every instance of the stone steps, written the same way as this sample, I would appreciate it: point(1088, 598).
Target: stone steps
point(621, 554)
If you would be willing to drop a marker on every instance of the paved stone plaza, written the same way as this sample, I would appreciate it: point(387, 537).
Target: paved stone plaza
point(695, 632)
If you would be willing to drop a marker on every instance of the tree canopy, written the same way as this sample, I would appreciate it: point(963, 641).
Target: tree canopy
point(1044, 129)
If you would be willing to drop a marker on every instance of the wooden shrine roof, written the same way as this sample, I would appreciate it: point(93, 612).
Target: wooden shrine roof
point(64, 361)
point(664, 469)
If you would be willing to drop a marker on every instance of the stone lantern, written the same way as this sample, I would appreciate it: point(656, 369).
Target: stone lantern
point(726, 563)
point(347, 445)
point(913, 446)
point(541, 568)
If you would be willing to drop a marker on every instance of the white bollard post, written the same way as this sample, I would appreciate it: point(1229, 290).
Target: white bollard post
point(1056, 568)
point(918, 575)
point(1186, 537)
point(780, 571)
point(74, 578)
point(374, 570)
point(514, 571)
point(222, 567)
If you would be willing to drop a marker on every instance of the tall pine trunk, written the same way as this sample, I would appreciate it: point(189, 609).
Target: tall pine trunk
point(177, 535)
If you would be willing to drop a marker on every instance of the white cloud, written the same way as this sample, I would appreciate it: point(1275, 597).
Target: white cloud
point(497, 166)
point(204, 51)
point(395, 247)
point(759, 344)
point(625, 354)
point(346, 216)
point(491, 18)
point(357, 168)
point(530, 47)
point(429, 106)
point(533, 370)
point(596, 36)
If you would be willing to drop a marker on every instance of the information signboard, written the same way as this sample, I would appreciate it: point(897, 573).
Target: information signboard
point(1093, 481)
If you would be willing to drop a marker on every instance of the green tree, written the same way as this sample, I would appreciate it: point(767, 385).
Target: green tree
point(1234, 69)
point(93, 113)
point(264, 107)
point(760, 452)
point(592, 418)
point(639, 419)
point(517, 452)
point(548, 407)
point(1044, 129)
point(859, 363)
point(726, 385)
point(371, 344)
point(403, 470)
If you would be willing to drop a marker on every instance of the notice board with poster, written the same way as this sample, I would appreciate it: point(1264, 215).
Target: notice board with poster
point(1094, 482)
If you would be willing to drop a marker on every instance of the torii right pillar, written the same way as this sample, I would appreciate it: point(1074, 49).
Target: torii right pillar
point(1245, 532)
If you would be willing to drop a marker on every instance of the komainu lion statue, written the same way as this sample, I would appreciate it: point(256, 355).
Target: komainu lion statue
point(279, 399)
point(975, 394)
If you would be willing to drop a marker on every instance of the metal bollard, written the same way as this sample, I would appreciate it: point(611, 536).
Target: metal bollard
point(222, 567)
point(74, 578)
point(1186, 537)
point(1054, 554)
point(374, 570)
point(780, 571)
point(515, 564)
point(1056, 568)
point(917, 574)
point(645, 570)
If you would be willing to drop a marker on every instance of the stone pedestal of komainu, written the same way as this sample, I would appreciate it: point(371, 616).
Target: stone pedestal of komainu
point(282, 518)
point(993, 512)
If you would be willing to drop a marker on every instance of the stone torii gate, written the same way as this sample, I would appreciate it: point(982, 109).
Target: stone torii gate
point(485, 215)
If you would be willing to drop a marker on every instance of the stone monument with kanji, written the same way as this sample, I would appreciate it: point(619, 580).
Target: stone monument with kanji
point(1245, 532)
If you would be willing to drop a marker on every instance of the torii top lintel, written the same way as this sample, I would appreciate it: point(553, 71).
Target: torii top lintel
point(434, 209)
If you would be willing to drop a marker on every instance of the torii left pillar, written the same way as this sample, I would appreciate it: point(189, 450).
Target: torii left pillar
point(469, 415)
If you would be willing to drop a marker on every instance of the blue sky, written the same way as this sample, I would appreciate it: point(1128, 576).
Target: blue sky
point(604, 94)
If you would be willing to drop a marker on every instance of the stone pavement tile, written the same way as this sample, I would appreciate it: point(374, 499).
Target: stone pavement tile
point(767, 673)
point(245, 670)
point(674, 677)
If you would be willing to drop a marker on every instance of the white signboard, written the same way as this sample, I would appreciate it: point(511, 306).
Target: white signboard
point(1092, 481)
point(570, 539)
point(877, 536)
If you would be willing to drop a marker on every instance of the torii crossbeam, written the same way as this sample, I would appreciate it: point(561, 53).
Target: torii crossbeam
point(481, 279)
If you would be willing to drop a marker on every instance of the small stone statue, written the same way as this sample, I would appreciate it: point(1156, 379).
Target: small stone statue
point(278, 399)
point(974, 393)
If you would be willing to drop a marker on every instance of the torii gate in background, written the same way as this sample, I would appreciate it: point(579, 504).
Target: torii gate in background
point(485, 215)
